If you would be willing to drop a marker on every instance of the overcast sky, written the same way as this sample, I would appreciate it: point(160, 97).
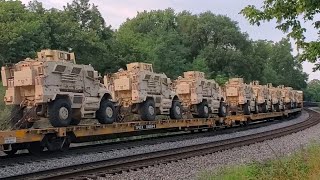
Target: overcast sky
point(115, 12)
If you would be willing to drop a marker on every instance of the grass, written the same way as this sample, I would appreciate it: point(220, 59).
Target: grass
point(304, 164)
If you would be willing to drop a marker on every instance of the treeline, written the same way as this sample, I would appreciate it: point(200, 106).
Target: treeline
point(173, 41)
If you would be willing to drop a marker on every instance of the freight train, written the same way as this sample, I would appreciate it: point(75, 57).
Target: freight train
point(55, 88)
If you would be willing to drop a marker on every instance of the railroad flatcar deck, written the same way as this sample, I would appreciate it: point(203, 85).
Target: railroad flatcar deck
point(24, 136)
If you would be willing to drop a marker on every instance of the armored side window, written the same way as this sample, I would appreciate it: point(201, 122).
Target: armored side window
point(60, 68)
point(157, 78)
point(76, 70)
point(11, 72)
point(61, 56)
point(147, 76)
point(40, 70)
point(68, 57)
point(90, 74)
point(165, 80)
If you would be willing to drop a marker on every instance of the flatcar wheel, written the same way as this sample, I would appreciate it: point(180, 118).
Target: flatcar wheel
point(176, 110)
point(11, 152)
point(35, 148)
point(65, 145)
point(147, 110)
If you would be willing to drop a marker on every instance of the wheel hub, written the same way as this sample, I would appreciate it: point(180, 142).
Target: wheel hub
point(151, 110)
point(206, 110)
point(224, 109)
point(63, 113)
point(178, 110)
point(109, 112)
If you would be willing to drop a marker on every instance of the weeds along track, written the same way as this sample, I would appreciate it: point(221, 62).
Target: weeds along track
point(117, 165)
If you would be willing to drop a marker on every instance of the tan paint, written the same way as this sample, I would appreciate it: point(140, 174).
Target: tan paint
point(193, 88)
point(34, 83)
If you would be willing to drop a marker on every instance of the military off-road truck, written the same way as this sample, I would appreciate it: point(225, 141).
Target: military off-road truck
point(200, 96)
point(141, 91)
point(298, 98)
point(54, 86)
point(262, 96)
point(240, 97)
point(287, 94)
point(276, 98)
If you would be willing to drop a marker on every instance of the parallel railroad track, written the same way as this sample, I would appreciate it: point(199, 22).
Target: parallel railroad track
point(117, 165)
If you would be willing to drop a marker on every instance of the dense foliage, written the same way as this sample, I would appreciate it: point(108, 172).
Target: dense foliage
point(289, 15)
point(173, 41)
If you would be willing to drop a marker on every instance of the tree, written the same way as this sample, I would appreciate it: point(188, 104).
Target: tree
point(287, 13)
point(22, 32)
point(311, 93)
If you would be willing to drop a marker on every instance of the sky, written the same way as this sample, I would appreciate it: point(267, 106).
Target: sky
point(115, 12)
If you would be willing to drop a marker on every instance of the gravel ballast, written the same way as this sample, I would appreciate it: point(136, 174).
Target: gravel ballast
point(192, 168)
point(185, 168)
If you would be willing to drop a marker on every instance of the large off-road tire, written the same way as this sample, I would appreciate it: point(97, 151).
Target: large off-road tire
point(107, 112)
point(203, 110)
point(277, 107)
point(246, 109)
point(264, 107)
point(147, 110)
point(256, 108)
point(223, 110)
point(176, 110)
point(60, 113)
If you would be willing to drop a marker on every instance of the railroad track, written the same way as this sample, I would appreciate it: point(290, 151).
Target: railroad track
point(117, 165)
point(130, 143)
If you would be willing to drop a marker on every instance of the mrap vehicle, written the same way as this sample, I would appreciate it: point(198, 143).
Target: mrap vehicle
point(55, 87)
point(240, 97)
point(141, 91)
point(199, 95)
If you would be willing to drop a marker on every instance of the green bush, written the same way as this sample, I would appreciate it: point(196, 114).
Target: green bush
point(304, 164)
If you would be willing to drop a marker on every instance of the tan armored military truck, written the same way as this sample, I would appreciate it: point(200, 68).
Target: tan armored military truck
point(276, 97)
point(54, 86)
point(142, 91)
point(199, 95)
point(240, 97)
point(298, 99)
point(262, 97)
point(287, 95)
